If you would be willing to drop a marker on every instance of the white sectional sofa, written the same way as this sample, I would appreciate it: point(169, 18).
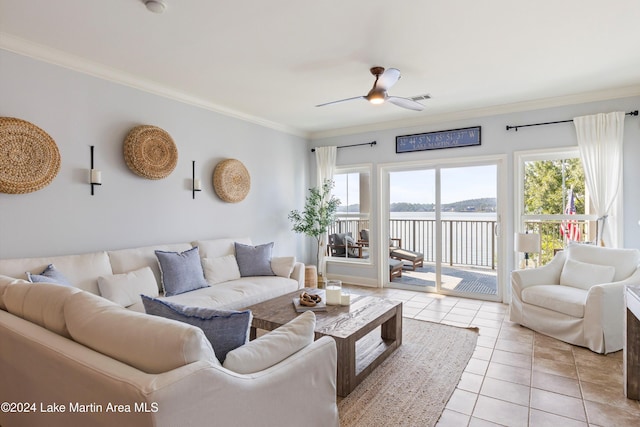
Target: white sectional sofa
point(83, 271)
point(62, 349)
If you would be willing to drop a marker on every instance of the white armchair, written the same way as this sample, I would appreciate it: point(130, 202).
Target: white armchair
point(578, 297)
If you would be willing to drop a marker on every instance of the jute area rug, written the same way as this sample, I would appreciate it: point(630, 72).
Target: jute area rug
point(412, 387)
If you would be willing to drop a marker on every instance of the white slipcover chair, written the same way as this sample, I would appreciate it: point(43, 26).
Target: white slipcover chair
point(578, 297)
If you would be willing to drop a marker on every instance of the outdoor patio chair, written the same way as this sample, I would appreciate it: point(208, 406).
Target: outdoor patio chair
point(396, 254)
point(415, 258)
point(395, 269)
point(341, 244)
point(394, 243)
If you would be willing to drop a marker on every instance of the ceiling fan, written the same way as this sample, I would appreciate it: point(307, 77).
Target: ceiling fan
point(378, 93)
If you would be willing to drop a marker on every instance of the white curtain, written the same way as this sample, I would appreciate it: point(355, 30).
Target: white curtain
point(325, 167)
point(600, 143)
point(325, 163)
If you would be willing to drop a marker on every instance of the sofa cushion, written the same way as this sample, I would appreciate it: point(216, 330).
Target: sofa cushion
point(5, 281)
point(340, 243)
point(584, 275)
point(215, 248)
point(625, 261)
point(149, 343)
point(126, 260)
point(40, 303)
point(254, 260)
point(236, 294)
point(283, 266)
point(273, 347)
point(81, 270)
point(125, 289)
point(226, 330)
point(181, 271)
point(562, 299)
point(49, 275)
point(220, 269)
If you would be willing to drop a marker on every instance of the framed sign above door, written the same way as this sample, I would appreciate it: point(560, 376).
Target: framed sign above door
point(464, 137)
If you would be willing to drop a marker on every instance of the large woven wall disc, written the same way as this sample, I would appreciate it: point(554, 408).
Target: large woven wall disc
point(29, 157)
point(150, 152)
point(231, 180)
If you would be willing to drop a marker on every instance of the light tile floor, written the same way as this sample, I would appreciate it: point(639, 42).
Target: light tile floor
point(517, 377)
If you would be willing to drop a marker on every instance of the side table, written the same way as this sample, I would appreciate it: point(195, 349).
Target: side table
point(631, 354)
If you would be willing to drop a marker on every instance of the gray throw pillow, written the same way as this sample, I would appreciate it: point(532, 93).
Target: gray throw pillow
point(225, 330)
point(49, 275)
point(181, 271)
point(254, 260)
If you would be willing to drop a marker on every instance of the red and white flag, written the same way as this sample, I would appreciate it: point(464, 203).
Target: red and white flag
point(570, 229)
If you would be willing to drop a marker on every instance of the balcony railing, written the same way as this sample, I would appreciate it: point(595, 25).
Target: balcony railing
point(552, 240)
point(465, 242)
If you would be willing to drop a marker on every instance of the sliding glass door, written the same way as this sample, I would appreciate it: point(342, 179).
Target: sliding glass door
point(445, 222)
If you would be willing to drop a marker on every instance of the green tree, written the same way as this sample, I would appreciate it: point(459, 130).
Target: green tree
point(317, 215)
point(544, 193)
point(547, 186)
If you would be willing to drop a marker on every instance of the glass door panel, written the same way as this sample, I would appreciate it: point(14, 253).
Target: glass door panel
point(412, 227)
point(468, 224)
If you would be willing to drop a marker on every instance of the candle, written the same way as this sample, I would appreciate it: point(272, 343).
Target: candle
point(197, 185)
point(334, 292)
point(96, 176)
point(345, 299)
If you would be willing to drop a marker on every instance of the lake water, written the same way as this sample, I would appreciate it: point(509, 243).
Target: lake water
point(468, 237)
point(457, 216)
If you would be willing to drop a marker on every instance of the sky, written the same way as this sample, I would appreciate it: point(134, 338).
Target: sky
point(458, 184)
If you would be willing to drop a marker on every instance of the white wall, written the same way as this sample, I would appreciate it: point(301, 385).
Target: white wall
point(78, 110)
point(496, 140)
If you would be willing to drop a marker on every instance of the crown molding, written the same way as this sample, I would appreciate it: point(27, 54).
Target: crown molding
point(40, 52)
point(44, 53)
point(560, 101)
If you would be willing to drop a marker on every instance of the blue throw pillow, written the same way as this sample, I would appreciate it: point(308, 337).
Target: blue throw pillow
point(254, 260)
point(49, 275)
point(225, 330)
point(181, 271)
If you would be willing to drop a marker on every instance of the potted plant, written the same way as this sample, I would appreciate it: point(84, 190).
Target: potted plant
point(317, 215)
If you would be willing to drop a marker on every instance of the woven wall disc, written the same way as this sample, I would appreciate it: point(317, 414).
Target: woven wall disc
point(150, 152)
point(29, 157)
point(231, 180)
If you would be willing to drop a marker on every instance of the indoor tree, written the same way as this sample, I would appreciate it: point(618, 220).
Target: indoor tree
point(317, 215)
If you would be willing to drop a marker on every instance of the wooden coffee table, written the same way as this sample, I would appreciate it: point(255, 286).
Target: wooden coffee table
point(359, 350)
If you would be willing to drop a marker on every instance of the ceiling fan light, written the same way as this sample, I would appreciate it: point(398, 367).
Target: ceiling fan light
point(376, 97)
point(155, 6)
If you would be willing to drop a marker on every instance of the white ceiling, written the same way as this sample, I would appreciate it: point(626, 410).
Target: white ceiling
point(272, 61)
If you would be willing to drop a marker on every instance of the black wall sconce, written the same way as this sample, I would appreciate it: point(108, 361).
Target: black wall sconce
point(196, 184)
point(95, 176)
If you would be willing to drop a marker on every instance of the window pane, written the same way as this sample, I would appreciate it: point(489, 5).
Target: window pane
point(347, 189)
point(556, 186)
point(549, 185)
point(352, 188)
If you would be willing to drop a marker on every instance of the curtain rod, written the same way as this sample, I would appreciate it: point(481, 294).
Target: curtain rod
point(371, 144)
point(631, 113)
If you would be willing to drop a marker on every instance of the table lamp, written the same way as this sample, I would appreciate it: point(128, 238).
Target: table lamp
point(527, 243)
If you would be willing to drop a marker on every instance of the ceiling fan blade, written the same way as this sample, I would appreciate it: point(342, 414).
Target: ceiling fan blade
point(341, 100)
point(388, 78)
point(405, 103)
